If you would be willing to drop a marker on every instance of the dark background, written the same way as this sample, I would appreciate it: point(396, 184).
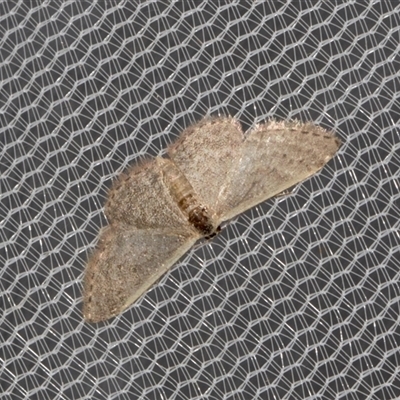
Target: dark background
point(297, 298)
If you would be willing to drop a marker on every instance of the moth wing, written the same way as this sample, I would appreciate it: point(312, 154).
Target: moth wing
point(126, 264)
point(141, 198)
point(205, 152)
point(274, 157)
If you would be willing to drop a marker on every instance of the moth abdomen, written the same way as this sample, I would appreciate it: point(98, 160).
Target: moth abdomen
point(185, 197)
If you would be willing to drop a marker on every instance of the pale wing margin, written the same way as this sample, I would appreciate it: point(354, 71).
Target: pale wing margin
point(274, 157)
point(126, 264)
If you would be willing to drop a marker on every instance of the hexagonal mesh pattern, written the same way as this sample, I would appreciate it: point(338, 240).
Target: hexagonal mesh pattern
point(297, 298)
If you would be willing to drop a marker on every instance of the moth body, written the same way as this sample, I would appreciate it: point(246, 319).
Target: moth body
point(160, 208)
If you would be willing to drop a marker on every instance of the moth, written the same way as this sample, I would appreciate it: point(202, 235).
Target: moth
point(158, 209)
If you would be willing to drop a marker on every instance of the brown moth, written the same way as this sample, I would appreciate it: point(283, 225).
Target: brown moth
point(159, 209)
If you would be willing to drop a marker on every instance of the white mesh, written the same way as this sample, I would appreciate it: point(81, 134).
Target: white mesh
point(297, 298)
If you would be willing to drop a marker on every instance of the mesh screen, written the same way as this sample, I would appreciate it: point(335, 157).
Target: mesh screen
point(298, 297)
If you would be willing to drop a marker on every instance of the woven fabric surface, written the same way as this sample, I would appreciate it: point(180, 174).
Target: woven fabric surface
point(296, 298)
